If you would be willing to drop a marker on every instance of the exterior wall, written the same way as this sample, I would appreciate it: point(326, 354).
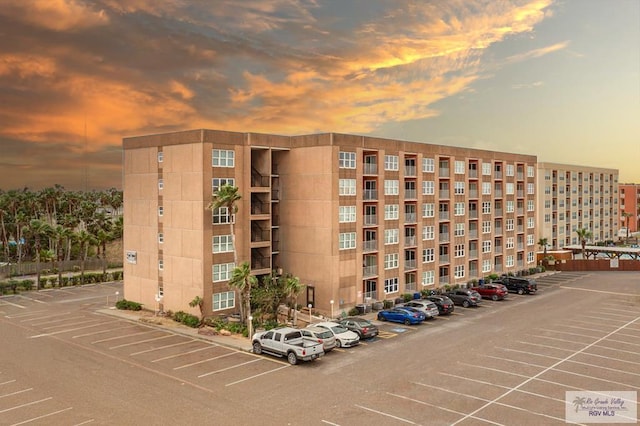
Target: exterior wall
point(572, 197)
point(630, 203)
point(624, 265)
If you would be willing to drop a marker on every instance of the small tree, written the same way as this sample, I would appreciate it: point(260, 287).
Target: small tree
point(199, 302)
point(293, 288)
point(242, 280)
point(543, 242)
point(583, 235)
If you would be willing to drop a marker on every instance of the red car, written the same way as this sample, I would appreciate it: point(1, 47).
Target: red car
point(491, 291)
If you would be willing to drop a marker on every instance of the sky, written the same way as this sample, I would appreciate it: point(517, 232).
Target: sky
point(559, 79)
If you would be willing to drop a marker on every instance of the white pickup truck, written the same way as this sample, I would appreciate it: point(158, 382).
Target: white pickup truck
point(287, 342)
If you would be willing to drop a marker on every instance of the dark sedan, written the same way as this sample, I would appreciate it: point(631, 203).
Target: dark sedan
point(401, 315)
point(464, 297)
point(444, 304)
point(363, 327)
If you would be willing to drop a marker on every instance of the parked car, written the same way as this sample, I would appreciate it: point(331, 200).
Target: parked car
point(404, 316)
point(464, 297)
point(444, 304)
point(345, 338)
point(491, 291)
point(429, 308)
point(320, 335)
point(286, 342)
point(363, 327)
point(519, 285)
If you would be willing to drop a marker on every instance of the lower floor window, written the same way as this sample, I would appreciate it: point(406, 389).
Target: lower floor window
point(225, 300)
point(391, 285)
point(458, 271)
point(428, 278)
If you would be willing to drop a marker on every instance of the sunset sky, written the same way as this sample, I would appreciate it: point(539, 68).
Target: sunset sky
point(559, 79)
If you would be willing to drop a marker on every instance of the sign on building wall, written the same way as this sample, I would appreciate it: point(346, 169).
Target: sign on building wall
point(132, 256)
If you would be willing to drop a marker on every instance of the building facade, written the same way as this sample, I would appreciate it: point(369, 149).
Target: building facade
point(576, 197)
point(356, 218)
point(629, 208)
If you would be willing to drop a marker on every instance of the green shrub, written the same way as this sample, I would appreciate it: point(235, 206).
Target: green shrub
point(353, 312)
point(27, 285)
point(128, 305)
point(408, 297)
point(186, 319)
point(387, 304)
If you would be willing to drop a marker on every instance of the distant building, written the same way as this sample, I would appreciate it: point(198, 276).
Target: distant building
point(356, 218)
point(630, 204)
point(575, 197)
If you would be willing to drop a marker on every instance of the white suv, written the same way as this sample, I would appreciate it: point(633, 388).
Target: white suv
point(321, 335)
point(429, 308)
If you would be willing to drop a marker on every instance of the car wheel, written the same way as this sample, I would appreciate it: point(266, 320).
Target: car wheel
point(257, 348)
point(338, 343)
point(494, 297)
point(465, 304)
point(381, 318)
point(292, 358)
point(520, 291)
point(407, 322)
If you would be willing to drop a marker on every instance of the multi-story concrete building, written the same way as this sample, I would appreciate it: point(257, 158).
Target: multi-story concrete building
point(629, 207)
point(355, 218)
point(576, 197)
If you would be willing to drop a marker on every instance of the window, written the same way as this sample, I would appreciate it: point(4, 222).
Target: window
point(509, 260)
point(530, 205)
point(458, 271)
point(160, 157)
point(458, 209)
point(459, 230)
point(509, 225)
point(510, 188)
point(486, 169)
point(216, 183)
point(160, 238)
point(486, 246)
point(547, 204)
point(391, 212)
point(530, 171)
point(429, 255)
point(222, 271)
point(547, 218)
point(391, 236)
point(347, 187)
point(225, 300)
point(530, 258)
point(347, 214)
point(160, 211)
point(391, 285)
point(531, 188)
point(459, 188)
point(428, 210)
point(391, 187)
point(486, 266)
point(428, 187)
point(458, 167)
point(347, 160)
point(509, 208)
point(160, 184)
point(220, 215)
point(223, 158)
point(428, 233)
point(428, 165)
point(530, 222)
point(391, 261)
point(509, 243)
point(486, 226)
point(458, 250)
point(347, 240)
point(509, 171)
point(160, 265)
point(486, 207)
point(391, 162)
point(222, 244)
point(486, 188)
point(530, 240)
point(428, 278)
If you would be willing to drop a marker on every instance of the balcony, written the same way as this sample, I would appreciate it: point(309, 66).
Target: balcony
point(409, 264)
point(473, 193)
point(473, 233)
point(498, 193)
point(498, 212)
point(443, 172)
point(370, 271)
point(443, 237)
point(473, 214)
point(443, 258)
point(370, 219)
point(443, 193)
point(370, 194)
point(370, 245)
point(520, 193)
point(443, 215)
point(370, 169)
point(410, 194)
point(410, 241)
point(473, 254)
point(473, 173)
point(410, 171)
point(444, 279)
point(410, 218)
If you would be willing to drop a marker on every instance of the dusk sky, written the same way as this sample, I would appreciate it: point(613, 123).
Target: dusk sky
point(559, 79)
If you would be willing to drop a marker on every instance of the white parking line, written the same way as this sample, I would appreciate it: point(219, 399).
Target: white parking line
point(123, 337)
point(568, 357)
point(26, 314)
point(6, 383)
point(65, 331)
point(385, 414)
point(103, 331)
point(185, 353)
point(162, 347)
point(25, 405)
point(30, 299)
point(592, 290)
point(141, 341)
point(566, 332)
point(43, 416)
point(256, 375)
point(229, 368)
point(557, 338)
point(45, 317)
point(617, 349)
point(204, 360)
point(16, 392)
point(440, 407)
point(85, 422)
point(14, 305)
point(599, 318)
point(76, 320)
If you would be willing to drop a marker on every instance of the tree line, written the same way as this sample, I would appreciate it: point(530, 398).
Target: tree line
point(57, 225)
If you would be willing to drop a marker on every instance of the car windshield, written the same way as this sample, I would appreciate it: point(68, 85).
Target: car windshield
point(324, 334)
point(338, 329)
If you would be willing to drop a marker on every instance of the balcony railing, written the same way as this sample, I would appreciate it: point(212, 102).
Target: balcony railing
point(498, 212)
point(370, 219)
point(444, 279)
point(473, 253)
point(443, 172)
point(473, 214)
point(370, 194)
point(443, 215)
point(473, 233)
point(411, 194)
point(444, 237)
point(410, 241)
point(409, 170)
point(410, 218)
point(473, 193)
point(409, 264)
point(444, 193)
point(443, 258)
point(370, 169)
point(473, 173)
point(370, 271)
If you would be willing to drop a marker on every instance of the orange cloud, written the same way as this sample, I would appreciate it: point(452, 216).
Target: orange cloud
point(59, 15)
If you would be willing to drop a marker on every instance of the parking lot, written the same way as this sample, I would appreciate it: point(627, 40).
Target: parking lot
point(505, 362)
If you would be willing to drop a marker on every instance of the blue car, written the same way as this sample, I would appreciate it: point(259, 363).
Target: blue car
point(402, 315)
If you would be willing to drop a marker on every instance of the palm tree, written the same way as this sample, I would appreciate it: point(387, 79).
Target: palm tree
point(86, 240)
point(293, 288)
point(242, 280)
point(583, 235)
point(543, 242)
point(102, 238)
point(627, 215)
point(227, 196)
point(38, 229)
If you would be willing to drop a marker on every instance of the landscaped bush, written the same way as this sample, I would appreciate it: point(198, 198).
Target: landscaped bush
point(407, 297)
point(186, 319)
point(387, 304)
point(128, 305)
point(353, 312)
